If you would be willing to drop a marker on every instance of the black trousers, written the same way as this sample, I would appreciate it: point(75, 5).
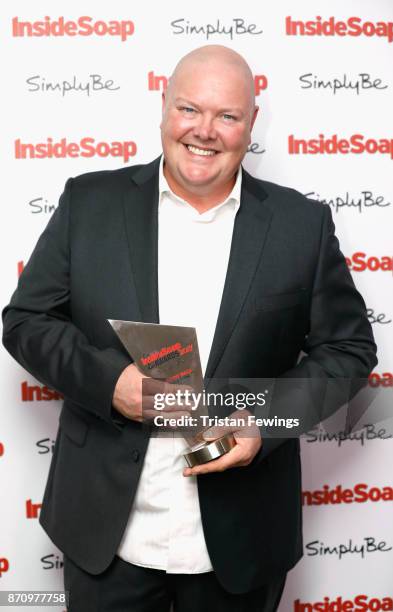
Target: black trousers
point(124, 587)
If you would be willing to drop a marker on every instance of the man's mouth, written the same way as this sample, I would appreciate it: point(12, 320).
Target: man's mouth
point(203, 152)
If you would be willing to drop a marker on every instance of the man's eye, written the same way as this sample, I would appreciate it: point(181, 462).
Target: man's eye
point(187, 109)
point(229, 117)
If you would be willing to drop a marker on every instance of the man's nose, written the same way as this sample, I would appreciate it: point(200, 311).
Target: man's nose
point(204, 128)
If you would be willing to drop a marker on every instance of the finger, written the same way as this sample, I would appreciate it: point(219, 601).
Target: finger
point(231, 459)
point(217, 431)
point(149, 402)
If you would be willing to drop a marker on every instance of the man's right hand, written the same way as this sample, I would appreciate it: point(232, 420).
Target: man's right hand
point(129, 393)
point(127, 397)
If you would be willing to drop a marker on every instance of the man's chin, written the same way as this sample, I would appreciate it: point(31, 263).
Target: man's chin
point(199, 187)
point(199, 180)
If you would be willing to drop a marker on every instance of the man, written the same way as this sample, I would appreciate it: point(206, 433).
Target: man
point(190, 239)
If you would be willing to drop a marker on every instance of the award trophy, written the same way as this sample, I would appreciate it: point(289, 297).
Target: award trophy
point(170, 353)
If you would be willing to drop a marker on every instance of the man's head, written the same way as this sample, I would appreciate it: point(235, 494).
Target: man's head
point(208, 114)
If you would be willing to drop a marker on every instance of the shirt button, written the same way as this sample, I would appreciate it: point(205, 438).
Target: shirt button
point(135, 455)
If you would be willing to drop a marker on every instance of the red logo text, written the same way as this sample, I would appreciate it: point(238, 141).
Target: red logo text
point(334, 145)
point(84, 26)
point(32, 510)
point(35, 393)
point(86, 147)
point(381, 380)
point(357, 604)
point(4, 565)
point(353, 26)
point(157, 82)
point(359, 494)
point(359, 262)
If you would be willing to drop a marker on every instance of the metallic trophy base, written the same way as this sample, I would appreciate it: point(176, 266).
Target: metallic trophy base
point(207, 451)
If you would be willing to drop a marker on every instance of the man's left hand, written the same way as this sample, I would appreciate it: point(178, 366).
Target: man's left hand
point(248, 443)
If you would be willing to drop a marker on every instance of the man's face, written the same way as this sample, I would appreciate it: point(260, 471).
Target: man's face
point(206, 127)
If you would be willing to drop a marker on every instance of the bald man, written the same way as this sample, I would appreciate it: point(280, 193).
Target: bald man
point(189, 239)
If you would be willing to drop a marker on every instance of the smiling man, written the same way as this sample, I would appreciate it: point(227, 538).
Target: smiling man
point(206, 130)
point(189, 239)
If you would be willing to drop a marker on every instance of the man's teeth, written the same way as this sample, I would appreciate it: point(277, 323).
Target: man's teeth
point(200, 151)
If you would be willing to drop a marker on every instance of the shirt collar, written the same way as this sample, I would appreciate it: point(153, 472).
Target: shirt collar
point(233, 199)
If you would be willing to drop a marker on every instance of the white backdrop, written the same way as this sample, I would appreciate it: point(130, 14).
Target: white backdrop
point(309, 87)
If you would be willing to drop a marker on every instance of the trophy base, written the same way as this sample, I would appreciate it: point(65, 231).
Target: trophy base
point(207, 451)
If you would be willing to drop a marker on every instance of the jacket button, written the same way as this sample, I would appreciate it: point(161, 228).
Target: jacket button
point(135, 455)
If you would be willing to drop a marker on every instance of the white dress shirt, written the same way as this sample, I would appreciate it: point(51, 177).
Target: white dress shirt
point(164, 530)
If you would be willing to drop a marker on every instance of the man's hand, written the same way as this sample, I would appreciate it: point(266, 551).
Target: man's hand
point(248, 443)
point(127, 397)
point(130, 395)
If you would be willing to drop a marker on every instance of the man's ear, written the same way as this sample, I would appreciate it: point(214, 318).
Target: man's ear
point(254, 116)
point(163, 100)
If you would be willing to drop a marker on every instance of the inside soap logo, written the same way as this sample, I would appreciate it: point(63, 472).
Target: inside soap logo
point(335, 145)
point(38, 393)
point(340, 604)
point(159, 82)
point(4, 566)
point(83, 26)
point(353, 26)
point(32, 509)
point(86, 147)
point(360, 262)
point(381, 379)
point(358, 494)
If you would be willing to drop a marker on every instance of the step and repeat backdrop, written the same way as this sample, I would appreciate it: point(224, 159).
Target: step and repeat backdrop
point(81, 91)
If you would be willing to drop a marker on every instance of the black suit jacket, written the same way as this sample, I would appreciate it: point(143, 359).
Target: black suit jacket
point(287, 289)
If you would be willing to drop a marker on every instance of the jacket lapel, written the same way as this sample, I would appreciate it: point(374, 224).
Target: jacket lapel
point(141, 220)
point(249, 234)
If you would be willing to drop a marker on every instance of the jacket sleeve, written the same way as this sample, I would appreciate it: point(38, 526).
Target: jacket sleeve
point(339, 349)
point(39, 332)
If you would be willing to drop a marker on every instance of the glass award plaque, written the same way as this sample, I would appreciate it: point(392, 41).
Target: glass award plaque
point(170, 354)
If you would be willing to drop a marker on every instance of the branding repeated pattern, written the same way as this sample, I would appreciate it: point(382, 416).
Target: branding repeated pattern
point(326, 120)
